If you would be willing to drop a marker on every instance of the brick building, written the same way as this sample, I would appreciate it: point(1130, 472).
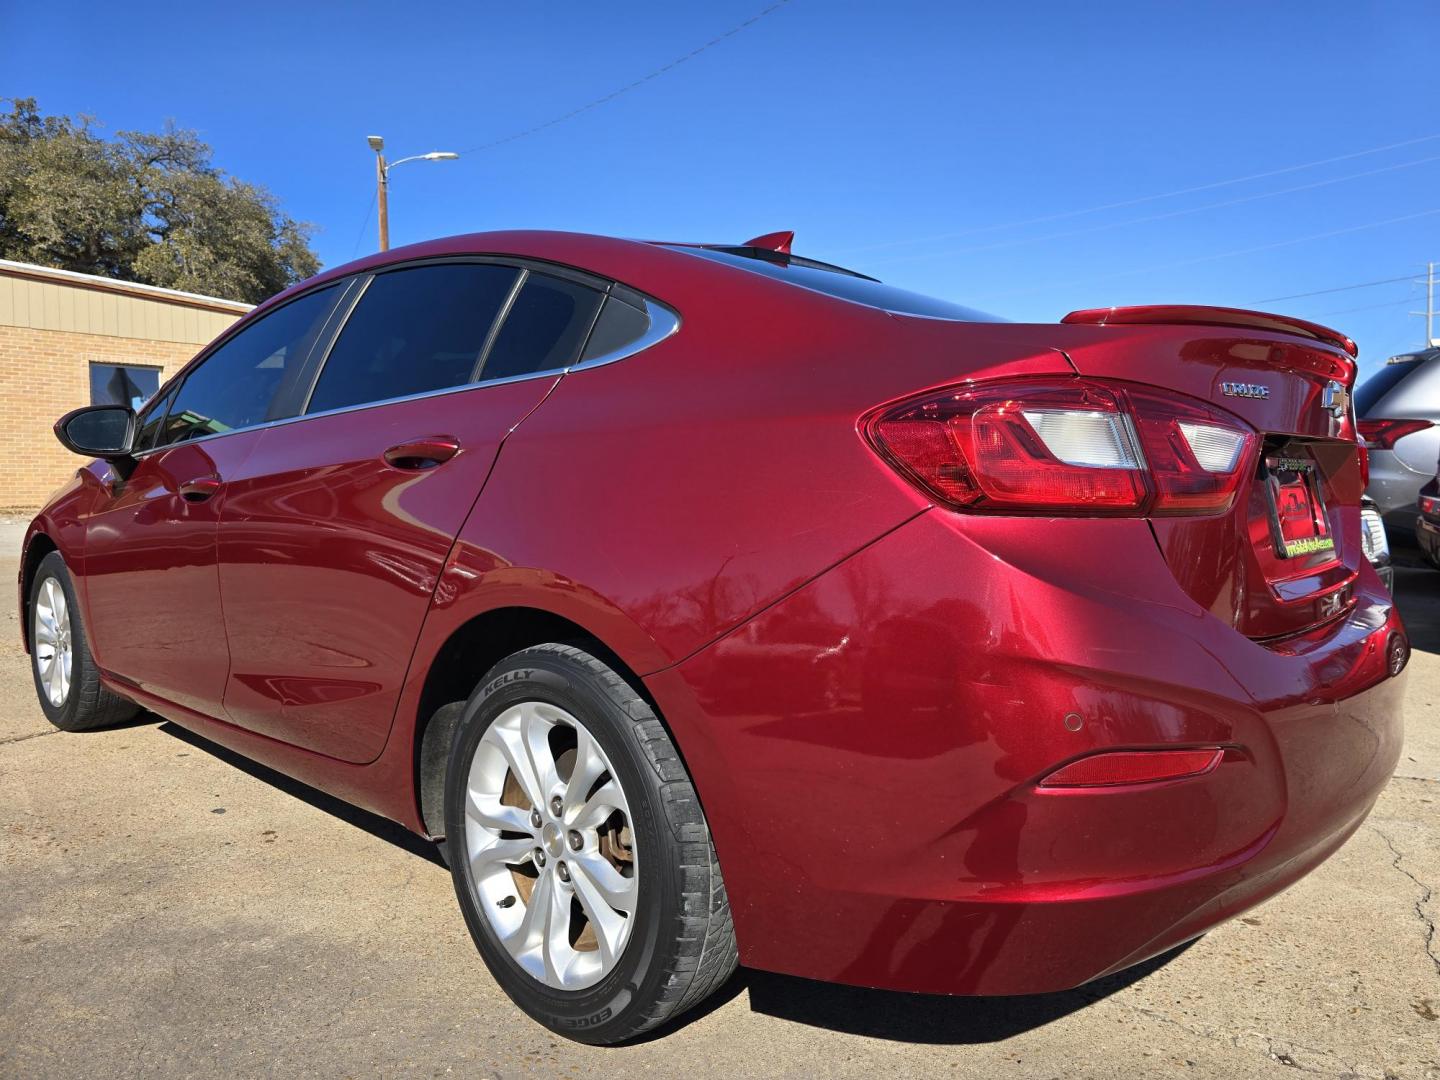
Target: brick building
point(68, 340)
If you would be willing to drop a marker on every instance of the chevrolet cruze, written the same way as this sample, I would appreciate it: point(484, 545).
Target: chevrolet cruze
point(711, 604)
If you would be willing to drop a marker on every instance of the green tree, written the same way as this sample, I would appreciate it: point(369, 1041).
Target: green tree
point(140, 207)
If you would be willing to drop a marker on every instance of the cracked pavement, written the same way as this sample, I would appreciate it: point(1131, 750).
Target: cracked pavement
point(168, 909)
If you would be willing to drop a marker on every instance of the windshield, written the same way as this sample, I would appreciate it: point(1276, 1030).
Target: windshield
point(839, 282)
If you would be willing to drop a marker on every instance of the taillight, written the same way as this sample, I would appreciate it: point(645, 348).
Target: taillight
point(1074, 445)
point(1384, 434)
point(1362, 455)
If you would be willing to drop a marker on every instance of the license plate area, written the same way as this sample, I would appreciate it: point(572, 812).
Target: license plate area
point(1299, 524)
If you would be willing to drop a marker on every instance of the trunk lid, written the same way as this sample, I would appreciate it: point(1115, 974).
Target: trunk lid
point(1283, 559)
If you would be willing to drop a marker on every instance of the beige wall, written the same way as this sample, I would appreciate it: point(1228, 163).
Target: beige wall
point(52, 327)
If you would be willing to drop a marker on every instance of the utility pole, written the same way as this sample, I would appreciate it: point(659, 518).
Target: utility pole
point(1430, 305)
point(1431, 341)
point(382, 190)
point(382, 180)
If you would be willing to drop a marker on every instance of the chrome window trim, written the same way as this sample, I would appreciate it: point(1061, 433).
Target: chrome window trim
point(442, 392)
point(664, 323)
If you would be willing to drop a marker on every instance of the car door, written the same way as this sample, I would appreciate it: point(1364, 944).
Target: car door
point(337, 527)
point(152, 589)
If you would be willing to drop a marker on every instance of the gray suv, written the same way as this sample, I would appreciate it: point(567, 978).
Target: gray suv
point(1398, 408)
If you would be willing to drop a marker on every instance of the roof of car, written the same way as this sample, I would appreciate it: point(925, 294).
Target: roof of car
point(615, 257)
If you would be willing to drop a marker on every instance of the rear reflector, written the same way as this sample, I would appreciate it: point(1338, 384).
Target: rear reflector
point(1066, 446)
point(1384, 434)
point(1134, 767)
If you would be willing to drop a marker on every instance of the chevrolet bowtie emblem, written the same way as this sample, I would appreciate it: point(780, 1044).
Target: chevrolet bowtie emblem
point(1335, 399)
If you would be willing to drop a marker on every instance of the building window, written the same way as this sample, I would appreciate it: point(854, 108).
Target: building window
point(111, 384)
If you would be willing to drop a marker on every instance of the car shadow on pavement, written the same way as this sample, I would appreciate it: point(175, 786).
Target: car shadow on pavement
point(928, 1018)
point(374, 824)
point(915, 1018)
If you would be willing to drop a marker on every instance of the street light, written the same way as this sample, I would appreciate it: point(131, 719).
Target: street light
point(382, 180)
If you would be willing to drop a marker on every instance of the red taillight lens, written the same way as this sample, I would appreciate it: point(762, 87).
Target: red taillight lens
point(1384, 434)
point(1362, 455)
point(1133, 767)
point(1071, 445)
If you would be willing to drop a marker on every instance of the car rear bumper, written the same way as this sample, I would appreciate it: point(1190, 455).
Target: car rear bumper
point(869, 750)
point(1427, 535)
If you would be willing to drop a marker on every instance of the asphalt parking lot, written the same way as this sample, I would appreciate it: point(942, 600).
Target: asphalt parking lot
point(169, 909)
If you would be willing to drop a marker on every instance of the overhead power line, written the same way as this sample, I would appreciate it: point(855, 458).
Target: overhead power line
point(630, 86)
point(1222, 254)
point(1338, 288)
point(364, 225)
point(1367, 307)
point(949, 252)
point(1062, 215)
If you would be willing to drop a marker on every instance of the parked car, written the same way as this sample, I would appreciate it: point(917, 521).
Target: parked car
point(1427, 521)
point(1375, 542)
point(1399, 407)
point(715, 604)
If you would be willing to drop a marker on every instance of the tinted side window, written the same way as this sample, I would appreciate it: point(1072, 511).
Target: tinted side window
point(413, 331)
point(545, 328)
point(236, 385)
point(619, 325)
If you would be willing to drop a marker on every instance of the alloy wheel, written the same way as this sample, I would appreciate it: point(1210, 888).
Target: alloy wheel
point(54, 649)
point(550, 846)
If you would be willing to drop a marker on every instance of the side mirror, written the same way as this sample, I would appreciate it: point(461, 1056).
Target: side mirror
point(101, 431)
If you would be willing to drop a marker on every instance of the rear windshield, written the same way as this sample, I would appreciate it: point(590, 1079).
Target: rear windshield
point(1369, 393)
point(837, 281)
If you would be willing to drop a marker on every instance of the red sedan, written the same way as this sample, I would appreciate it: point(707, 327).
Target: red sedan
point(978, 657)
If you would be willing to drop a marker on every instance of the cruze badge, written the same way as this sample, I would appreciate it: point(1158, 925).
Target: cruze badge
point(1334, 398)
point(1244, 389)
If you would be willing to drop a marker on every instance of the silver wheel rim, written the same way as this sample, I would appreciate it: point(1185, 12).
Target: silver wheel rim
point(54, 652)
point(548, 836)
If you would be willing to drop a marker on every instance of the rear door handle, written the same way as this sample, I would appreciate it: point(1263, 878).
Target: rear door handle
point(423, 453)
point(199, 489)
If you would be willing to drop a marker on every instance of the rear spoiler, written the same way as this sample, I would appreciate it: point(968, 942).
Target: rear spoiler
point(1195, 315)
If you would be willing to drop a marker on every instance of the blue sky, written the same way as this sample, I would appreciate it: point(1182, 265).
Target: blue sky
point(959, 149)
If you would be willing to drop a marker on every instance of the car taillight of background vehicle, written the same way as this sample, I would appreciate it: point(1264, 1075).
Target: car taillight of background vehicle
point(1073, 446)
point(1384, 434)
point(1429, 505)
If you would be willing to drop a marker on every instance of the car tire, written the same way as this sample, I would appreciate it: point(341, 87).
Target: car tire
point(77, 701)
point(676, 945)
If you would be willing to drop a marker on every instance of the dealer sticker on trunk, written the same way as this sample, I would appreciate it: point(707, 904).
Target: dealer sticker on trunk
point(1298, 521)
